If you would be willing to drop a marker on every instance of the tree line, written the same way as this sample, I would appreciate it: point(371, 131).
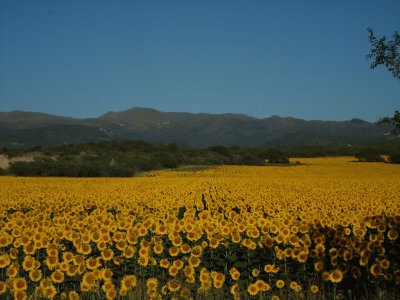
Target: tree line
point(130, 158)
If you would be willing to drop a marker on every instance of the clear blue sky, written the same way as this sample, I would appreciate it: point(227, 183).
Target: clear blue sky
point(304, 59)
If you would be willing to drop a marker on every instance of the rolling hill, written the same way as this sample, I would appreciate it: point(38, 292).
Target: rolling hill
point(26, 129)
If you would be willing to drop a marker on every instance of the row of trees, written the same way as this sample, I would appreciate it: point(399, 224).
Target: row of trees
point(128, 158)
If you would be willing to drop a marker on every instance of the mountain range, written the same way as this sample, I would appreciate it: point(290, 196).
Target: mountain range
point(194, 130)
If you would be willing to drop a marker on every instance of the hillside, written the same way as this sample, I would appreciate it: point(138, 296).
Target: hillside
point(27, 129)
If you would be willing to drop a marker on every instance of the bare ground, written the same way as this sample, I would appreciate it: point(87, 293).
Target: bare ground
point(5, 161)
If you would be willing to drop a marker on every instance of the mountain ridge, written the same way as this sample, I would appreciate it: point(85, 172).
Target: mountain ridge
point(198, 130)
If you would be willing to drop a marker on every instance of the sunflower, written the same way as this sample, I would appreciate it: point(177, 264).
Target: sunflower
point(20, 295)
point(347, 255)
point(314, 288)
point(205, 286)
point(302, 257)
point(50, 291)
point(334, 261)
point(320, 248)
point(333, 252)
point(79, 259)
point(219, 277)
point(4, 261)
point(92, 263)
point(204, 277)
point(129, 281)
point(68, 257)
point(325, 276)
point(218, 284)
point(3, 287)
point(144, 251)
point(356, 272)
point(235, 274)
point(106, 274)
point(196, 251)
point(12, 270)
point(185, 248)
point(177, 241)
point(111, 294)
point(385, 264)
point(293, 285)
point(107, 286)
point(375, 270)
point(173, 285)
point(101, 245)
point(268, 242)
point(248, 243)
point(336, 276)
point(294, 240)
point(89, 279)
point(189, 271)
point(123, 292)
point(57, 276)
point(194, 261)
point(158, 249)
point(364, 261)
point(252, 289)
point(143, 260)
point(236, 238)
point(214, 243)
point(72, 270)
point(107, 254)
point(318, 266)
point(132, 239)
point(392, 234)
point(19, 284)
point(164, 263)
point(173, 270)
point(30, 249)
point(173, 251)
point(178, 263)
point(234, 289)
point(35, 275)
point(51, 262)
point(255, 272)
point(271, 268)
point(129, 252)
point(262, 285)
point(280, 284)
point(121, 245)
point(73, 295)
point(152, 284)
point(52, 250)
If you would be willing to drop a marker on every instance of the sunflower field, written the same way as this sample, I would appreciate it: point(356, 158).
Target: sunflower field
point(328, 228)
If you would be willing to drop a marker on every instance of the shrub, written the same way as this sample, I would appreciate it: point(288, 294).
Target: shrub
point(276, 156)
point(369, 155)
point(394, 158)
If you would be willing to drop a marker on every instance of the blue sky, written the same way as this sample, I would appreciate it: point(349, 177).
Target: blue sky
point(304, 59)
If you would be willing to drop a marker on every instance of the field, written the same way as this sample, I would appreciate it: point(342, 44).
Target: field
point(327, 228)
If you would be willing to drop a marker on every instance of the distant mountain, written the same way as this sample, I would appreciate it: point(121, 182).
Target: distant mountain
point(199, 130)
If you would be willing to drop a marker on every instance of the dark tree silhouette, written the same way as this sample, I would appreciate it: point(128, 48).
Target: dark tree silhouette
point(386, 52)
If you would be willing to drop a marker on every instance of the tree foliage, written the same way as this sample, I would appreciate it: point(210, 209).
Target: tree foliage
point(385, 52)
point(394, 121)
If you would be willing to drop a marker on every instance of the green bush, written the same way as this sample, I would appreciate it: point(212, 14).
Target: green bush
point(369, 155)
point(276, 156)
point(394, 158)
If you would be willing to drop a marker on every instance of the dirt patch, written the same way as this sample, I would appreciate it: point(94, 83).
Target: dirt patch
point(4, 164)
point(28, 157)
